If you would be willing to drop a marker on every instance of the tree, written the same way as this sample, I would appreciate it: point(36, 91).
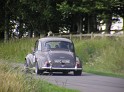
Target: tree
point(2, 17)
point(78, 11)
point(41, 16)
point(90, 11)
point(111, 8)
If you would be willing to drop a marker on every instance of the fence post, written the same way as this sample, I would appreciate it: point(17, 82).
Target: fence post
point(60, 35)
point(103, 35)
point(92, 35)
point(53, 35)
point(80, 36)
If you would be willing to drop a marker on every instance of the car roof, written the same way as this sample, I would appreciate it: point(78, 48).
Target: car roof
point(46, 39)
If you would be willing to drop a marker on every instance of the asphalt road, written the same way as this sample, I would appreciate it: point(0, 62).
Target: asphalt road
point(86, 83)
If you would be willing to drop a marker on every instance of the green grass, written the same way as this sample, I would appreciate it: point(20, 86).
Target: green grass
point(102, 56)
point(16, 50)
point(12, 80)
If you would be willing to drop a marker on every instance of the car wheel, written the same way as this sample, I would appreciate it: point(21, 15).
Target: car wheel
point(37, 71)
point(78, 72)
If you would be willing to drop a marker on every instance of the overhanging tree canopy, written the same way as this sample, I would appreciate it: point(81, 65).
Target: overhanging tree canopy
point(41, 16)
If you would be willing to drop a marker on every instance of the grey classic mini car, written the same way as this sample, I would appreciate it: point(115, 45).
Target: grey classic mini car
point(54, 54)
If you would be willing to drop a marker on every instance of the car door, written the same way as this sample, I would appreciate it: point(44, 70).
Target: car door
point(38, 55)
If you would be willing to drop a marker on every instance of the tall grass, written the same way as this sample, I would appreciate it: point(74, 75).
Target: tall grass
point(16, 50)
point(12, 80)
point(102, 55)
point(89, 49)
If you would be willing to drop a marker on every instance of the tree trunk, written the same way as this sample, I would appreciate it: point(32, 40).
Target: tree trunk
point(108, 23)
point(79, 24)
point(92, 23)
point(88, 28)
point(86, 22)
point(30, 33)
point(20, 28)
point(76, 23)
point(2, 35)
point(95, 23)
point(6, 31)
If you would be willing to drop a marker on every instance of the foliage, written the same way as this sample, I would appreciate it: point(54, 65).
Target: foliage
point(100, 55)
point(16, 50)
point(41, 16)
point(12, 80)
point(89, 10)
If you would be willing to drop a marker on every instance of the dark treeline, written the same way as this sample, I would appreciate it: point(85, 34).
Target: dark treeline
point(40, 16)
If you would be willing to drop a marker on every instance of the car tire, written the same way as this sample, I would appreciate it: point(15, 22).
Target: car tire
point(37, 71)
point(78, 73)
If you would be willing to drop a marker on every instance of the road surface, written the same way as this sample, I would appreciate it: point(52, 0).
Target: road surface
point(87, 82)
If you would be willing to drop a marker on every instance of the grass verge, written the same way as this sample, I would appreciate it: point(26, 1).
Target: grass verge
point(16, 50)
point(12, 80)
point(104, 56)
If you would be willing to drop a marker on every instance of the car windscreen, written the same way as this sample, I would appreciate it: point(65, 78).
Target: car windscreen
point(59, 45)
